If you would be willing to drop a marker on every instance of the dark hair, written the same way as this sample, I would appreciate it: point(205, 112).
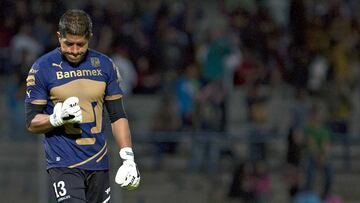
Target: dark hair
point(75, 22)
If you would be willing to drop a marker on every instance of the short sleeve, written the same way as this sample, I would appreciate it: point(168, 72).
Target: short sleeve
point(113, 90)
point(36, 92)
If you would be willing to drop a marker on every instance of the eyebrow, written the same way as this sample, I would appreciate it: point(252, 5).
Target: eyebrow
point(70, 42)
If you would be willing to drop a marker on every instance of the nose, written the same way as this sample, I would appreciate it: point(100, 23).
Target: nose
point(74, 50)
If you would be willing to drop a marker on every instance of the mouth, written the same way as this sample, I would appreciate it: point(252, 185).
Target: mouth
point(74, 58)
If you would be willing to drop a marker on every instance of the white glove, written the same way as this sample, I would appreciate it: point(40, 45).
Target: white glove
point(67, 112)
point(128, 176)
point(71, 111)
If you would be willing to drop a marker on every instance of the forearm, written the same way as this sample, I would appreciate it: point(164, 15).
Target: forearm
point(40, 124)
point(121, 132)
point(128, 175)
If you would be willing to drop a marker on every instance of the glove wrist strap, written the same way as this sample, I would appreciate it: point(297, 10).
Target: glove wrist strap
point(126, 153)
point(53, 121)
point(54, 118)
point(51, 118)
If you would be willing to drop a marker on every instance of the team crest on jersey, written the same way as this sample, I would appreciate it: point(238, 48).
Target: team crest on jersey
point(95, 62)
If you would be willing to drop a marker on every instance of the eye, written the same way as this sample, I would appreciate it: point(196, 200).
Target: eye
point(68, 43)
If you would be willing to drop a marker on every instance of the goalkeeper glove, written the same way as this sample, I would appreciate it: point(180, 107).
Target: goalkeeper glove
point(67, 112)
point(128, 176)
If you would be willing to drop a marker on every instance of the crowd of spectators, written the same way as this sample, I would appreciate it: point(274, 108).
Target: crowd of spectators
point(196, 53)
point(202, 51)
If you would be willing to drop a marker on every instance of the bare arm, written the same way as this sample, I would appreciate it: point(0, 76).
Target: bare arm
point(128, 175)
point(37, 122)
point(40, 124)
point(121, 132)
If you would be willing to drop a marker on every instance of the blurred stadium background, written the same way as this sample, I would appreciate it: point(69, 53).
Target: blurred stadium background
point(209, 85)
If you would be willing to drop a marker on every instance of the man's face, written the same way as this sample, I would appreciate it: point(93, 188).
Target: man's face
point(73, 47)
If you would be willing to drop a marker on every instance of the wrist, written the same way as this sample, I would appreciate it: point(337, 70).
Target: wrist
point(126, 153)
point(54, 121)
point(55, 118)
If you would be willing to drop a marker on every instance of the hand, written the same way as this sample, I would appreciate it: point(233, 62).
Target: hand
point(71, 111)
point(67, 112)
point(128, 176)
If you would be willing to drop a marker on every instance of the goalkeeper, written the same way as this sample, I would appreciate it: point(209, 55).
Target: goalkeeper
point(67, 89)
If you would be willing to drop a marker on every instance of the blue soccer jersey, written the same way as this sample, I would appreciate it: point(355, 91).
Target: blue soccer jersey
point(53, 79)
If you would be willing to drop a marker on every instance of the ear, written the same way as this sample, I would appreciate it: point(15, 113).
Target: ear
point(58, 35)
point(90, 36)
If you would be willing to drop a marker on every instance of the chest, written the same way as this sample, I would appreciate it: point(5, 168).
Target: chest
point(84, 89)
point(86, 82)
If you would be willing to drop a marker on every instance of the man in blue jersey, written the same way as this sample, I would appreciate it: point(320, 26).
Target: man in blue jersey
point(67, 89)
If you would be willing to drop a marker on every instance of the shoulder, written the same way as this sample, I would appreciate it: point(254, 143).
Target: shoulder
point(46, 60)
point(102, 58)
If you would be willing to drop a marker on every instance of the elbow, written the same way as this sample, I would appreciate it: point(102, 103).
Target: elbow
point(32, 130)
point(29, 127)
